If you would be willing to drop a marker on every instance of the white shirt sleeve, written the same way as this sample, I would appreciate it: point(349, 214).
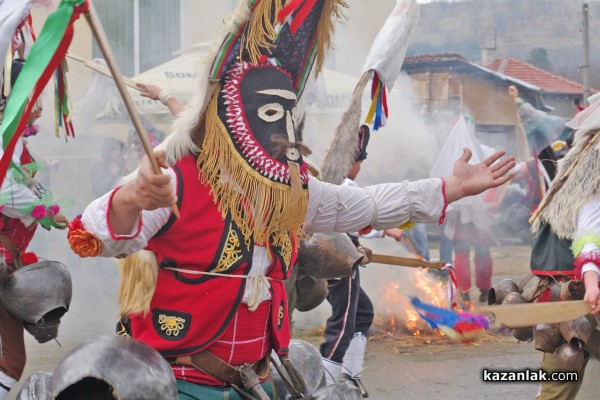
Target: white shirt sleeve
point(15, 198)
point(588, 222)
point(330, 208)
point(350, 209)
point(95, 220)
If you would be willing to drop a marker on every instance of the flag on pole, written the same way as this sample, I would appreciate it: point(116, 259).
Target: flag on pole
point(44, 58)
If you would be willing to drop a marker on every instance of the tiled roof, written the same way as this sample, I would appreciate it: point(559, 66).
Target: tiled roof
point(434, 58)
point(548, 82)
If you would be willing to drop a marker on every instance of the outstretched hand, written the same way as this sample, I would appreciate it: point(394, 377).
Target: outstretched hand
point(469, 180)
point(149, 90)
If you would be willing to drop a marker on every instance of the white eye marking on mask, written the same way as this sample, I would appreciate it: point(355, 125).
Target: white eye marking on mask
point(271, 112)
point(284, 94)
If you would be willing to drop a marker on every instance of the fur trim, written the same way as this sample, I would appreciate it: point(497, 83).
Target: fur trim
point(342, 152)
point(139, 272)
point(580, 187)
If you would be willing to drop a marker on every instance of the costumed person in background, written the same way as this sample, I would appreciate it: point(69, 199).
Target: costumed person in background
point(566, 251)
point(468, 222)
point(23, 205)
point(107, 171)
point(541, 130)
point(207, 289)
point(164, 96)
point(347, 329)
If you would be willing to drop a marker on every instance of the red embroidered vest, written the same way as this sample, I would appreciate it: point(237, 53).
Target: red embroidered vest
point(192, 312)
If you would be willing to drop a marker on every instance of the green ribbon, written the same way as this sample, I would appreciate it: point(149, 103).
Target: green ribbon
point(54, 37)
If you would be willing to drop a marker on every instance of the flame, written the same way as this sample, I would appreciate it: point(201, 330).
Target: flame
point(399, 314)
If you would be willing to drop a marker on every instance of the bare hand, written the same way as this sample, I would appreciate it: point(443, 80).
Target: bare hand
point(150, 190)
point(593, 296)
point(395, 233)
point(469, 180)
point(592, 292)
point(60, 221)
point(148, 90)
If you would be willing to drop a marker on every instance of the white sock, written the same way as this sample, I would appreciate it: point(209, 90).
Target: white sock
point(354, 359)
point(5, 382)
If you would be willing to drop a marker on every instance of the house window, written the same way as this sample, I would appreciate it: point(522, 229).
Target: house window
point(142, 33)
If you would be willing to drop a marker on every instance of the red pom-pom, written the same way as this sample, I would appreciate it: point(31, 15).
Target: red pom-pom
point(29, 258)
point(76, 224)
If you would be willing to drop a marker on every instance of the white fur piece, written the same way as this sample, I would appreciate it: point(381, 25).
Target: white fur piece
point(390, 45)
point(580, 187)
point(344, 147)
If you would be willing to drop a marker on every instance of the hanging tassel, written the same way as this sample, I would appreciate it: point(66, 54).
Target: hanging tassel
point(45, 56)
point(259, 32)
point(295, 181)
point(378, 112)
point(61, 102)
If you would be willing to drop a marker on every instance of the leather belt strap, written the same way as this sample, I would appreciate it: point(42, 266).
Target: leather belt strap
point(214, 366)
point(12, 249)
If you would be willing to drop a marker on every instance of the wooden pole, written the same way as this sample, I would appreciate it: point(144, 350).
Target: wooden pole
point(404, 261)
point(100, 37)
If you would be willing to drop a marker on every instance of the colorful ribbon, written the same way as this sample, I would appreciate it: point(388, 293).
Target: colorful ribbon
point(302, 7)
point(379, 108)
point(45, 56)
point(61, 103)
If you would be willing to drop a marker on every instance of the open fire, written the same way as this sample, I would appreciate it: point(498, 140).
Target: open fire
point(396, 314)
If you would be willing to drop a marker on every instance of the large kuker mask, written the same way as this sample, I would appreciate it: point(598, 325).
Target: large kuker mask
point(250, 156)
point(257, 105)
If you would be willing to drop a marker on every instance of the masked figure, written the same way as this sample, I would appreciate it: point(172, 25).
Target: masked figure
point(207, 289)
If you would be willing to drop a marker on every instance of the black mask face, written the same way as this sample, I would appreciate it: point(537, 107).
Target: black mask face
point(257, 105)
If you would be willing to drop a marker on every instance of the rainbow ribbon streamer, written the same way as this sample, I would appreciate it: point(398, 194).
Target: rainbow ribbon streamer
point(460, 326)
point(379, 107)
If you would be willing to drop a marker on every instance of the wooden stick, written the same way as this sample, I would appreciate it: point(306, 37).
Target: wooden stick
point(405, 261)
point(100, 37)
point(103, 70)
point(561, 181)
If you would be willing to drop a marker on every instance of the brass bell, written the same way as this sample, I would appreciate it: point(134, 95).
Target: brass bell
point(500, 290)
point(576, 332)
point(569, 358)
point(523, 334)
point(311, 293)
point(547, 337)
point(514, 298)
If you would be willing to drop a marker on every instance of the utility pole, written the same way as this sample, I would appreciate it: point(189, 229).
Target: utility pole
point(586, 55)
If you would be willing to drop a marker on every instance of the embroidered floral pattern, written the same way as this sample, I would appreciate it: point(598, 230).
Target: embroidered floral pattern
point(171, 325)
point(232, 252)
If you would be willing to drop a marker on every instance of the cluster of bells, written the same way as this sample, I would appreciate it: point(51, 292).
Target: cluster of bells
point(566, 340)
point(323, 259)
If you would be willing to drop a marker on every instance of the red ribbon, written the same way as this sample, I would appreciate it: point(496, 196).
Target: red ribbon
point(303, 8)
point(41, 84)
